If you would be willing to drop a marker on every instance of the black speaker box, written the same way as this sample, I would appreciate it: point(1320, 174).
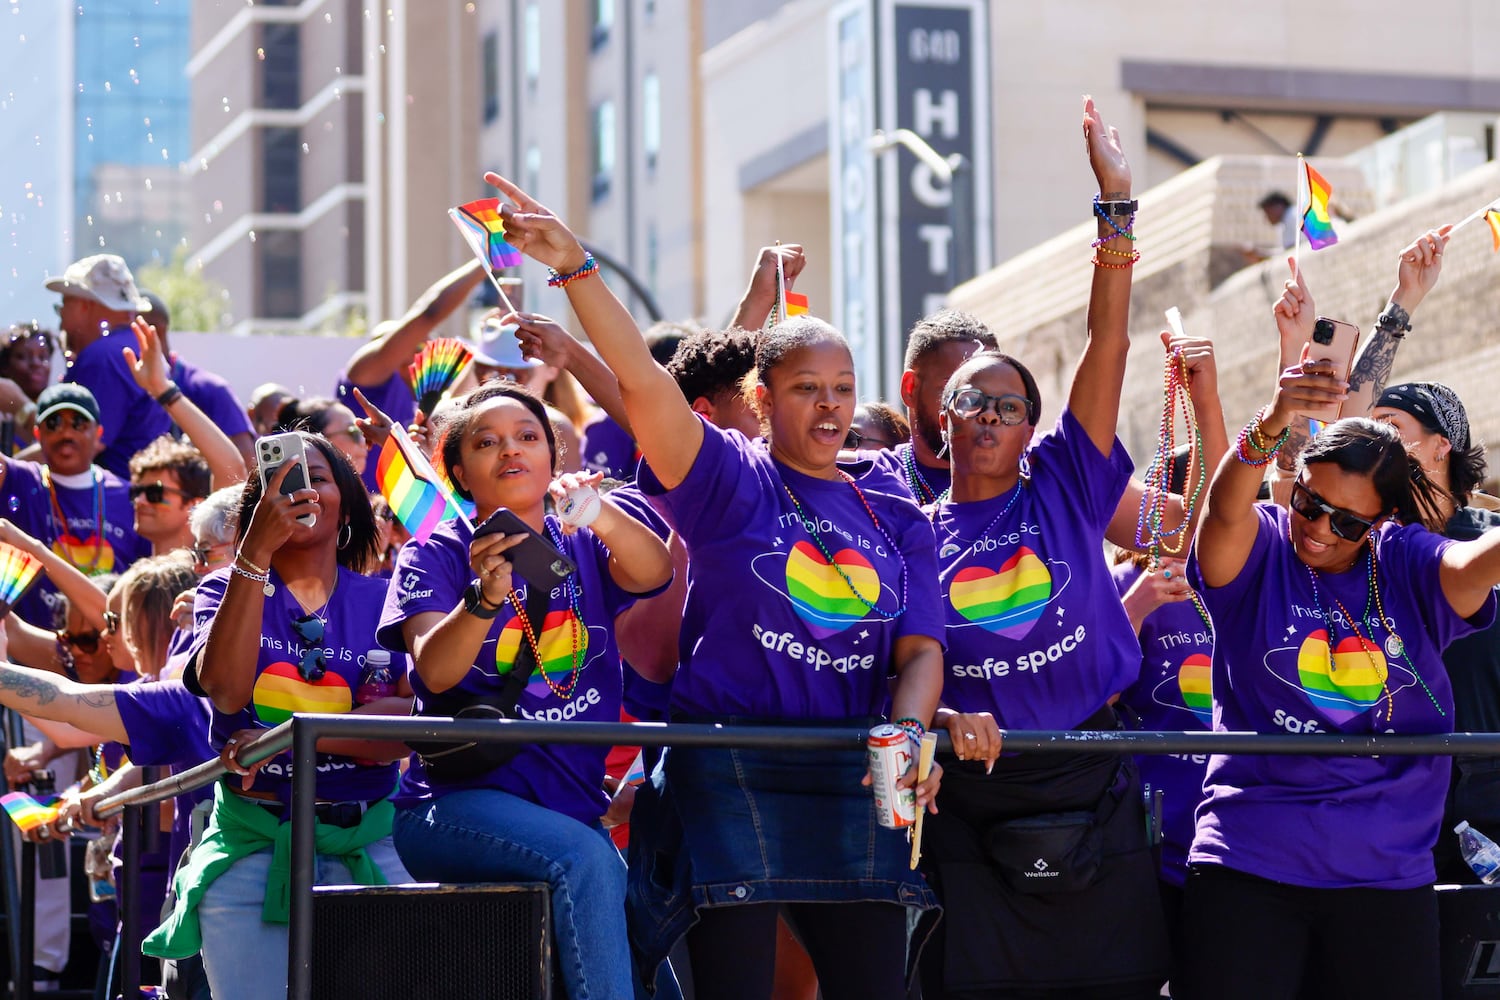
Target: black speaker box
point(1469, 916)
point(399, 942)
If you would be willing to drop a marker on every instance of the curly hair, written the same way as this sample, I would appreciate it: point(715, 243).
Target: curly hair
point(178, 457)
point(936, 329)
point(710, 363)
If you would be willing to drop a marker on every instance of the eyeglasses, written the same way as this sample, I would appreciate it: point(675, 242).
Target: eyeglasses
point(111, 623)
point(355, 434)
point(854, 439)
point(1345, 523)
point(84, 642)
point(969, 403)
point(314, 664)
point(386, 514)
point(202, 554)
point(78, 421)
point(155, 493)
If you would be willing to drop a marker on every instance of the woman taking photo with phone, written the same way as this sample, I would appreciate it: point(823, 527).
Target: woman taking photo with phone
point(284, 629)
point(1330, 617)
point(481, 634)
point(833, 597)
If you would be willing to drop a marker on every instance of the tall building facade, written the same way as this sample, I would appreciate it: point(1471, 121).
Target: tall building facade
point(329, 139)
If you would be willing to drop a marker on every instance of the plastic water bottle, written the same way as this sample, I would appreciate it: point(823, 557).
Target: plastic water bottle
point(377, 681)
point(1481, 853)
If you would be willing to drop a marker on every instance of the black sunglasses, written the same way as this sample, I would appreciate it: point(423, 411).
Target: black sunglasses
point(78, 421)
point(1345, 523)
point(854, 439)
point(155, 492)
point(84, 642)
point(314, 664)
point(202, 553)
point(111, 623)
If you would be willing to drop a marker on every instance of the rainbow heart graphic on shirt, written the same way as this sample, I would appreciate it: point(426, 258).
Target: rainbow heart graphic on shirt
point(1195, 682)
point(820, 592)
point(281, 691)
point(1347, 684)
point(1007, 601)
point(92, 557)
point(554, 649)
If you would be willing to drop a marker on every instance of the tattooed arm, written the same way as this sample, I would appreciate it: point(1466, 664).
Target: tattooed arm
point(49, 697)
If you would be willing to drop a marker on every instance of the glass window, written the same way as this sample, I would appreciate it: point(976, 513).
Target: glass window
point(280, 274)
point(281, 183)
point(533, 170)
point(651, 117)
point(604, 19)
point(491, 58)
point(531, 40)
point(604, 147)
point(281, 71)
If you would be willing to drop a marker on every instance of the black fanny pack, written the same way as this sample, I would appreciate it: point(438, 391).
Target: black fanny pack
point(452, 762)
point(1053, 852)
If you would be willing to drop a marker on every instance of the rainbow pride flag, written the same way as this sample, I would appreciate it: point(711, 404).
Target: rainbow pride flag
point(29, 813)
point(18, 571)
point(796, 305)
point(412, 487)
point(484, 230)
point(1493, 218)
point(437, 366)
point(1317, 225)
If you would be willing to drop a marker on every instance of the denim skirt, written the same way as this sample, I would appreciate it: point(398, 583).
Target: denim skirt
point(725, 827)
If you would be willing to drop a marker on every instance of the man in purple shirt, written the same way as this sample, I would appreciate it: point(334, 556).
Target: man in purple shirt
point(99, 299)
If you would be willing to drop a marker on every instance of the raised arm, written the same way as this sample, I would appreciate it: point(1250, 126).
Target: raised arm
point(151, 371)
point(760, 296)
point(1095, 395)
point(665, 426)
point(543, 339)
point(1417, 272)
point(378, 360)
point(1226, 532)
point(80, 591)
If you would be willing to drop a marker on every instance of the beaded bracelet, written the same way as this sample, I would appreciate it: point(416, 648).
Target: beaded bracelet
point(1117, 267)
point(559, 280)
point(913, 727)
point(1119, 253)
point(1127, 231)
point(1253, 427)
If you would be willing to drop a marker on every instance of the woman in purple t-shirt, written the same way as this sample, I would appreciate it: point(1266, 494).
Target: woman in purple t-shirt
point(809, 590)
point(456, 605)
point(1032, 854)
point(1329, 618)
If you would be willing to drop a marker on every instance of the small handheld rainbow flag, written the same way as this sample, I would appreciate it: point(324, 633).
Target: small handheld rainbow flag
point(29, 813)
point(18, 571)
point(412, 486)
point(637, 773)
point(1493, 218)
point(437, 366)
point(482, 226)
point(1317, 224)
point(796, 305)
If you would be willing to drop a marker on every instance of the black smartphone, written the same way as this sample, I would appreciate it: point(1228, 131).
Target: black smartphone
point(539, 562)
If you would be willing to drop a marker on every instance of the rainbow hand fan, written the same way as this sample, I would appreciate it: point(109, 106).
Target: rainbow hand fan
point(437, 366)
point(29, 813)
point(18, 571)
point(482, 226)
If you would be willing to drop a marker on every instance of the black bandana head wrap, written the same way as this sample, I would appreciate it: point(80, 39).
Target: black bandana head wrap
point(1436, 407)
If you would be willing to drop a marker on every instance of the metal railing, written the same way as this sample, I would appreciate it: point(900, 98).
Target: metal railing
point(303, 732)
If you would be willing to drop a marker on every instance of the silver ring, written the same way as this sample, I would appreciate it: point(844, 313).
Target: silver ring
point(969, 736)
point(43, 832)
point(65, 825)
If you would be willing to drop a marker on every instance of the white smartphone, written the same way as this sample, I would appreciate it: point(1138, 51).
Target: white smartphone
point(276, 450)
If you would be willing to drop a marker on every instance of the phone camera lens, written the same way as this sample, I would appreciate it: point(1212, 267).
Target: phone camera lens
point(559, 567)
point(1322, 332)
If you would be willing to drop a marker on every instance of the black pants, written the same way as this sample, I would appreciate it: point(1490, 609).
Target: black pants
point(1251, 938)
point(858, 949)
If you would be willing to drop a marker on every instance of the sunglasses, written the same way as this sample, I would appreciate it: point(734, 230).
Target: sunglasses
point(966, 404)
point(854, 439)
point(111, 623)
point(84, 642)
point(314, 664)
point(77, 421)
point(155, 493)
point(203, 553)
point(1345, 523)
point(355, 434)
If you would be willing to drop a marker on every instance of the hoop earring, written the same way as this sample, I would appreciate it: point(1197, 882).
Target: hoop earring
point(346, 535)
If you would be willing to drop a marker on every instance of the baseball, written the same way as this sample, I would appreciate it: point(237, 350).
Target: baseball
point(579, 507)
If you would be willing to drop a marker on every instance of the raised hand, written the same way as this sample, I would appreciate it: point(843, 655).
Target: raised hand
point(151, 369)
point(542, 339)
point(376, 426)
point(1106, 156)
point(275, 517)
point(1198, 357)
point(1420, 266)
point(1295, 314)
point(536, 232)
point(1308, 385)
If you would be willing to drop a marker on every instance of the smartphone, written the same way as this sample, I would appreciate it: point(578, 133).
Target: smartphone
point(1332, 340)
point(539, 562)
point(276, 450)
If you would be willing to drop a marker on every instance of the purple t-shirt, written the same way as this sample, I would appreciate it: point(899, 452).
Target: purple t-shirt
point(167, 726)
point(130, 418)
point(608, 449)
point(349, 619)
point(793, 615)
point(567, 779)
point(1171, 694)
point(213, 396)
point(110, 521)
point(394, 398)
point(1036, 632)
point(1329, 822)
point(924, 483)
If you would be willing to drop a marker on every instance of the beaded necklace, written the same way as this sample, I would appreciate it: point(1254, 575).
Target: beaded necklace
point(1015, 494)
point(65, 533)
point(575, 624)
point(1150, 535)
point(811, 527)
point(918, 484)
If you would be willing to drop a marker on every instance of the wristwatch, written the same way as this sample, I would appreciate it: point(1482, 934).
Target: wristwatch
point(1119, 208)
point(1395, 320)
point(476, 605)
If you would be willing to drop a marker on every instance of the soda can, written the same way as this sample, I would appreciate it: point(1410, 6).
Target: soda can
point(890, 757)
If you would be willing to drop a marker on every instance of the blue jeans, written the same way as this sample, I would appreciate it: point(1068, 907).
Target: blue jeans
point(486, 835)
point(245, 957)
